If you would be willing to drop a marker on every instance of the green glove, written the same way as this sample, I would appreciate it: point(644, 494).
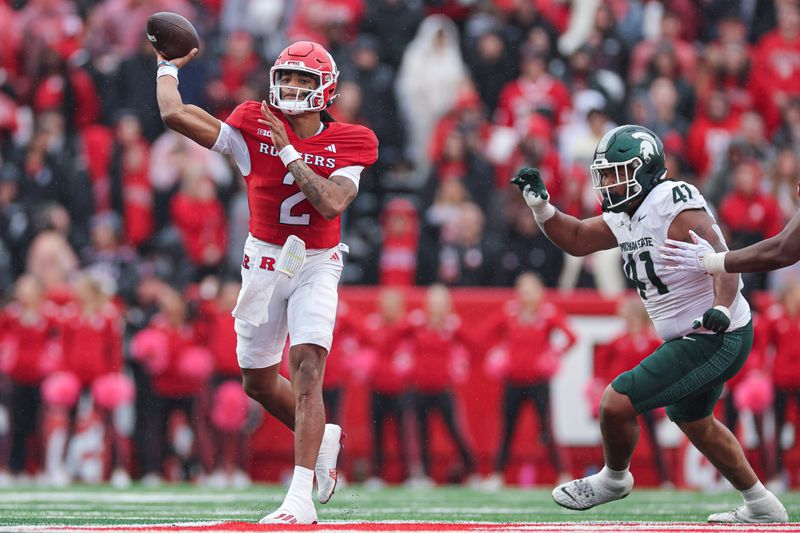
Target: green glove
point(716, 319)
point(528, 176)
point(529, 181)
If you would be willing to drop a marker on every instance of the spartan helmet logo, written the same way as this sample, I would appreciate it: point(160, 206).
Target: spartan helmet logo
point(647, 145)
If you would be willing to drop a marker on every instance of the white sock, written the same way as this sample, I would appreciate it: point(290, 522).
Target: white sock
point(614, 476)
point(754, 493)
point(302, 484)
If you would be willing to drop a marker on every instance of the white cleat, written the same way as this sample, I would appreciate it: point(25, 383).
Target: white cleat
point(767, 510)
point(585, 493)
point(292, 513)
point(325, 469)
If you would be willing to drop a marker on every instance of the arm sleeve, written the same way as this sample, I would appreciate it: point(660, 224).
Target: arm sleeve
point(353, 173)
point(230, 142)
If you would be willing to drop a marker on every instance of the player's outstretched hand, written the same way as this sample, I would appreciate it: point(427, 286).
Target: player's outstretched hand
point(680, 255)
point(178, 61)
point(529, 181)
point(279, 137)
point(716, 319)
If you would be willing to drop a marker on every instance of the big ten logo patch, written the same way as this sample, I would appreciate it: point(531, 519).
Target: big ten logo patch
point(267, 263)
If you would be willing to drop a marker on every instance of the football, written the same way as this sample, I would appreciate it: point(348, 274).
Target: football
point(171, 34)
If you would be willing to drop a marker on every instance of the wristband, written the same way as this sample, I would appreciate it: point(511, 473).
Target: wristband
point(543, 213)
point(725, 310)
point(714, 263)
point(165, 68)
point(288, 154)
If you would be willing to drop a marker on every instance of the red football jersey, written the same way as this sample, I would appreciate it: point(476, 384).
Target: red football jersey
point(277, 206)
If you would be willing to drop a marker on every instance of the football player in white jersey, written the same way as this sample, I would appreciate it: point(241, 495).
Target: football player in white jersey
point(704, 320)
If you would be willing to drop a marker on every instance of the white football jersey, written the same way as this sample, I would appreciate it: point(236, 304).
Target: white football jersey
point(673, 299)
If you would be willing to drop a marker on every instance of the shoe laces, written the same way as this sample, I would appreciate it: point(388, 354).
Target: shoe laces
point(583, 489)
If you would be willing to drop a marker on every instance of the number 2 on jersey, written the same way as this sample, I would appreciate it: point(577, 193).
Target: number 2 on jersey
point(286, 206)
point(650, 270)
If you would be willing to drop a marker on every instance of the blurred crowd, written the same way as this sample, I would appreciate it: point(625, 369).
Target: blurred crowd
point(115, 230)
point(174, 409)
point(460, 94)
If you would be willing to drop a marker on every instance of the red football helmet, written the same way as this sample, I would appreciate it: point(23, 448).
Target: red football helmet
point(310, 57)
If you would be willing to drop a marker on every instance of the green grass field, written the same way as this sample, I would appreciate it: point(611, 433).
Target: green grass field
point(98, 506)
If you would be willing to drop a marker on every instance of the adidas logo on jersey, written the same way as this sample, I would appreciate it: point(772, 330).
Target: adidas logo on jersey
point(331, 148)
point(335, 257)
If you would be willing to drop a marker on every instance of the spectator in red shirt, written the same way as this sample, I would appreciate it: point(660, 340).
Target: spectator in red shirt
point(28, 335)
point(346, 334)
point(526, 329)
point(130, 191)
point(239, 64)
point(782, 332)
point(776, 73)
point(670, 35)
point(70, 89)
point(91, 340)
point(710, 134)
point(313, 19)
point(536, 90)
point(384, 334)
point(178, 382)
point(749, 215)
point(200, 218)
point(398, 255)
point(437, 337)
point(230, 433)
point(622, 354)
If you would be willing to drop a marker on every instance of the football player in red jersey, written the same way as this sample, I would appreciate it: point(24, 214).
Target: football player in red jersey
point(302, 171)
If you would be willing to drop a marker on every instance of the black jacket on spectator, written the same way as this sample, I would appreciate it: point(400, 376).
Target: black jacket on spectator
point(394, 23)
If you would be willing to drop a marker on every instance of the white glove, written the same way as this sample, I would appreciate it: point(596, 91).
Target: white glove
point(540, 205)
point(697, 257)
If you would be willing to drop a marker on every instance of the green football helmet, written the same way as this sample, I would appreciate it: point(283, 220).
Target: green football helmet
point(630, 156)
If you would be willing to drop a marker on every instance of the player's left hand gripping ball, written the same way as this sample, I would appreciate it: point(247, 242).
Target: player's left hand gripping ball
point(716, 319)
